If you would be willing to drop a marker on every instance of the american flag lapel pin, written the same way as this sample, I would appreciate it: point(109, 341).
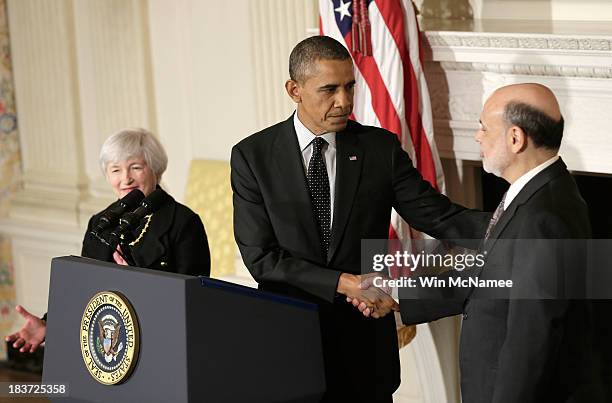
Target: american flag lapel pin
point(353, 158)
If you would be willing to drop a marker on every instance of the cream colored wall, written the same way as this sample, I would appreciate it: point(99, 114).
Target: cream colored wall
point(219, 70)
point(573, 10)
point(548, 10)
point(203, 74)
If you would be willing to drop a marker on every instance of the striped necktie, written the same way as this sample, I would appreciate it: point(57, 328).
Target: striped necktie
point(496, 215)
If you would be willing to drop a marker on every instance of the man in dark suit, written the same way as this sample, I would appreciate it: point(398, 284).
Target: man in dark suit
point(532, 343)
point(308, 190)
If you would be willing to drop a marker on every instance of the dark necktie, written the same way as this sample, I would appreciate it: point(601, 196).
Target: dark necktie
point(496, 215)
point(318, 185)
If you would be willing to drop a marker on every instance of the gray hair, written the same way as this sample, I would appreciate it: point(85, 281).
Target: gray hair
point(543, 130)
point(133, 143)
point(308, 51)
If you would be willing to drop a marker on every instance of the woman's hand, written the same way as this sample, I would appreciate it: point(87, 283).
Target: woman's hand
point(33, 332)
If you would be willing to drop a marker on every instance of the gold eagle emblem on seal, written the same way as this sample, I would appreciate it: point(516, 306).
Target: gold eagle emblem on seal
point(109, 337)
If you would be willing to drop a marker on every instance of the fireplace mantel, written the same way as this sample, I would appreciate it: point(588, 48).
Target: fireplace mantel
point(466, 60)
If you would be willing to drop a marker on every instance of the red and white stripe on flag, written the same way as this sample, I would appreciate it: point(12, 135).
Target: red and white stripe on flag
point(390, 92)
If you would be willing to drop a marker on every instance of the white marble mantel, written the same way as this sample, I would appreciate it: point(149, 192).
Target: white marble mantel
point(466, 60)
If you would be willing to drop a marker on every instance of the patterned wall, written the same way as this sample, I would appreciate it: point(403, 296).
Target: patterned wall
point(10, 171)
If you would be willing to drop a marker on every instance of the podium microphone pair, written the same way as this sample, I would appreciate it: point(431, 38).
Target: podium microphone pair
point(116, 217)
point(110, 216)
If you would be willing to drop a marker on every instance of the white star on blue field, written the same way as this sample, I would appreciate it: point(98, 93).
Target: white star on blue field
point(343, 9)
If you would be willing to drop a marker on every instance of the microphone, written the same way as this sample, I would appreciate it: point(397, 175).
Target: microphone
point(110, 216)
point(129, 221)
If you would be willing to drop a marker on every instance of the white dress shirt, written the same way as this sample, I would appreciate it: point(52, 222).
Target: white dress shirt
point(305, 138)
point(520, 183)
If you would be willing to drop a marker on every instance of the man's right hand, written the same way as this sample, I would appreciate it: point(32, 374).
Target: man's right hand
point(370, 300)
point(31, 335)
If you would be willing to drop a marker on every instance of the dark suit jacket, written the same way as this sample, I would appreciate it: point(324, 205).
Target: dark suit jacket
point(277, 236)
point(174, 241)
point(513, 348)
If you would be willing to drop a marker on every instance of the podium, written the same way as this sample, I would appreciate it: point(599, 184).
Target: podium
point(200, 339)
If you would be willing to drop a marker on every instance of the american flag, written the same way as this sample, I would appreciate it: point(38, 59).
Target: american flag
point(390, 92)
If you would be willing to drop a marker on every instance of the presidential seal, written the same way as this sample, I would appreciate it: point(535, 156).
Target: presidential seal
point(109, 337)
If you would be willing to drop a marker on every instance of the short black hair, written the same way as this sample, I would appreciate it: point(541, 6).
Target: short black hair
point(543, 130)
point(308, 51)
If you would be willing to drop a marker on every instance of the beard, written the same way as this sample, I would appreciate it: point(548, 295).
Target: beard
point(497, 161)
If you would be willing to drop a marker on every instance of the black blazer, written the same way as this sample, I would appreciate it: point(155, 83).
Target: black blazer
point(277, 236)
point(174, 241)
point(521, 349)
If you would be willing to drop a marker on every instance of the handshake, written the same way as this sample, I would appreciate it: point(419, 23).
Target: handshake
point(367, 298)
